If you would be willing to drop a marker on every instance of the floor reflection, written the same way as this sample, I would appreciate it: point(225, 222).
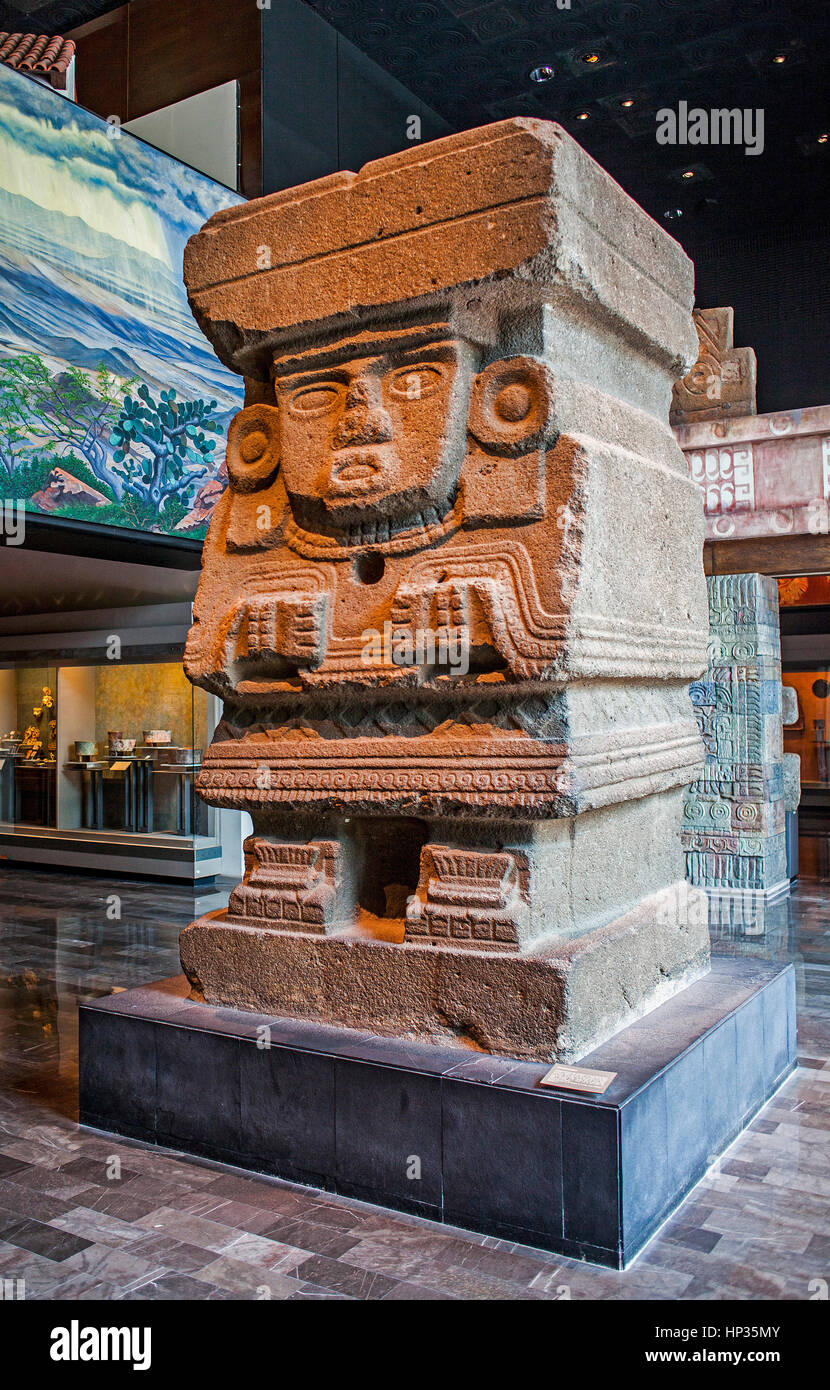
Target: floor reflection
point(65, 939)
point(170, 1226)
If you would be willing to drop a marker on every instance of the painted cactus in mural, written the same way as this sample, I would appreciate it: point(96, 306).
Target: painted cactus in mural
point(93, 312)
point(90, 427)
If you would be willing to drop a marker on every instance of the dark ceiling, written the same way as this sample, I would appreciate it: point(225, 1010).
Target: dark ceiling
point(472, 63)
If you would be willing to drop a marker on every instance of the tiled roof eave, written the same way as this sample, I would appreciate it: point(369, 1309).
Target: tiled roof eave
point(40, 54)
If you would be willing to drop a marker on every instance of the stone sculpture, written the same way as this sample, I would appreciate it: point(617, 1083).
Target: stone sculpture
point(33, 740)
point(722, 381)
point(733, 829)
point(452, 598)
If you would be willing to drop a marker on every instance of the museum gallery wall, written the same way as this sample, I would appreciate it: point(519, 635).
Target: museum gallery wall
point(113, 408)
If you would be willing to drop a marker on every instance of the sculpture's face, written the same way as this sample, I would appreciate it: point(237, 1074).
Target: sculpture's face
point(377, 434)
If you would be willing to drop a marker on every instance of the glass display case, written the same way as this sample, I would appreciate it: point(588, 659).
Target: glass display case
point(28, 746)
point(111, 748)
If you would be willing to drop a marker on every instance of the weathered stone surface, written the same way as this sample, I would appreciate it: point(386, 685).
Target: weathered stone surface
point(789, 705)
point(733, 827)
point(792, 780)
point(453, 596)
point(722, 381)
point(470, 212)
point(792, 761)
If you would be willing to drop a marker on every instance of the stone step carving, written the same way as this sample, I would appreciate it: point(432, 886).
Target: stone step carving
point(291, 884)
point(464, 896)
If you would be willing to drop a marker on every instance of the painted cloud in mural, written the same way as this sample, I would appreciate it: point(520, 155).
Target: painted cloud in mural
point(112, 405)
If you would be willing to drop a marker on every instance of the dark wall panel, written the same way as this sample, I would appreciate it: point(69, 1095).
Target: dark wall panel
point(310, 101)
point(326, 106)
point(299, 96)
point(374, 109)
point(180, 49)
point(101, 64)
point(779, 287)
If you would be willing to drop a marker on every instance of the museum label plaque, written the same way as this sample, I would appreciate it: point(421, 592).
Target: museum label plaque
point(578, 1079)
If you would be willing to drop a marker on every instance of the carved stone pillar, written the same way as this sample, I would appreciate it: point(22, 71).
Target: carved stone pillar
point(733, 828)
point(453, 598)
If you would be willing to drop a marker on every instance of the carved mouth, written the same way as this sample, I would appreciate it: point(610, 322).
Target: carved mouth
point(358, 465)
point(356, 470)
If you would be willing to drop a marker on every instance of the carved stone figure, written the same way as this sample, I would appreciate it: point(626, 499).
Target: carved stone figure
point(32, 742)
point(452, 598)
point(722, 381)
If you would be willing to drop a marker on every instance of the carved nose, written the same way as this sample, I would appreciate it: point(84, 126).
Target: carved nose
point(364, 421)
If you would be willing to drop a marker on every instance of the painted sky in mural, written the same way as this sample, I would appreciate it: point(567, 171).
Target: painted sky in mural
point(113, 406)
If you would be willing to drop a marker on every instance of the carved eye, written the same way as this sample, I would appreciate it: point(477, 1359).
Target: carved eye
point(414, 382)
point(317, 399)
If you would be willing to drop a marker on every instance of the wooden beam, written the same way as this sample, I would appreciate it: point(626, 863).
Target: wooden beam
point(768, 555)
point(178, 50)
point(101, 66)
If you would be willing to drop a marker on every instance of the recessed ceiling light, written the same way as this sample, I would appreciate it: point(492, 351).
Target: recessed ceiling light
point(590, 57)
point(688, 174)
point(628, 102)
point(780, 58)
point(582, 115)
point(542, 74)
point(823, 139)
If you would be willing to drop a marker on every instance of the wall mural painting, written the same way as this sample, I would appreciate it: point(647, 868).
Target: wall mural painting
point(807, 590)
point(113, 408)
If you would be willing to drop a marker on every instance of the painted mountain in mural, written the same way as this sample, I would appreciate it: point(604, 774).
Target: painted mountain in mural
point(103, 372)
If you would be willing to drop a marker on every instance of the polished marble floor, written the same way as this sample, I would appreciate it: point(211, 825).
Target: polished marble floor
point(86, 1216)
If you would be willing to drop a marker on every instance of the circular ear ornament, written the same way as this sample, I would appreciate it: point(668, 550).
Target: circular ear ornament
point(253, 447)
point(511, 405)
point(704, 378)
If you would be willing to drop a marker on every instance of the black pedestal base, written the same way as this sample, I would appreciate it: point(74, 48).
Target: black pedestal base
point(450, 1134)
